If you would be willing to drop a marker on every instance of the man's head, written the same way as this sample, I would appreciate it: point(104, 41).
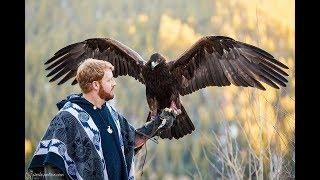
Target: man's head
point(95, 76)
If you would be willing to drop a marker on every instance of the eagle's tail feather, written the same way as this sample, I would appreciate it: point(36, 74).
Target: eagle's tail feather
point(181, 127)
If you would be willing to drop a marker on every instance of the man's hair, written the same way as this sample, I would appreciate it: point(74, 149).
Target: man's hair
point(91, 70)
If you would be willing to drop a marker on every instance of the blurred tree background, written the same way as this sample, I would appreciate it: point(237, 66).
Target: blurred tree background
point(241, 133)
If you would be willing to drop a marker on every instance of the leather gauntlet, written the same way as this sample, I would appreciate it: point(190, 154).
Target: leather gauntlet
point(153, 127)
point(160, 123)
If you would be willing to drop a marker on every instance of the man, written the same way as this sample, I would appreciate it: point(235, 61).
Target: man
point(88, 139)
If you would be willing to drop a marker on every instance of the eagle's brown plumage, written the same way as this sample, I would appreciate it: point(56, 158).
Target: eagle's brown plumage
point(68, 59)
point(211, 61)
point(222, 61)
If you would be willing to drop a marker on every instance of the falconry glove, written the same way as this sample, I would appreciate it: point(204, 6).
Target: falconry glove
point(160, 123)
point(167, 116)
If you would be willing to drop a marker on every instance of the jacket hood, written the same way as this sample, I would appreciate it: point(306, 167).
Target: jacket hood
point(74, 98)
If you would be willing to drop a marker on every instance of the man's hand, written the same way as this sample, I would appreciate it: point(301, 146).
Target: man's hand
point(167, 116)
point(160, 123)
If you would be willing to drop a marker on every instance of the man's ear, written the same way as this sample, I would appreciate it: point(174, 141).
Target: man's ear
point(95, 85)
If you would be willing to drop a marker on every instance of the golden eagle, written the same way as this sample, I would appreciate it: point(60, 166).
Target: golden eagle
point(211, 61)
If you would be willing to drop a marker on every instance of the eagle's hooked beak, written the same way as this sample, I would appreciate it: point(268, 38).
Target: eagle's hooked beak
point(154, 64)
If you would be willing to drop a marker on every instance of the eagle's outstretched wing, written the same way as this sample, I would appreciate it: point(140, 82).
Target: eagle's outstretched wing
point(68, 59)
point(222, 61)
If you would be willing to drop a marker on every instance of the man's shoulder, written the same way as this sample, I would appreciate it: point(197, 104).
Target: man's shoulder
point(63, 115)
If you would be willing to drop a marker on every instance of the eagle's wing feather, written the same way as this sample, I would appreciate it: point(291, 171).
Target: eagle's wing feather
point(222, 61)
point(66, 61)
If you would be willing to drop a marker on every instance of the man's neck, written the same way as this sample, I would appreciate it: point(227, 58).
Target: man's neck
point(94, 99)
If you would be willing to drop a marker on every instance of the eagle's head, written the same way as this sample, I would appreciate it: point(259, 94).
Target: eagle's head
point(156, 59)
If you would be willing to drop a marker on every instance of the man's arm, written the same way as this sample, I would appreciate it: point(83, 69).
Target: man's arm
point(152, 128)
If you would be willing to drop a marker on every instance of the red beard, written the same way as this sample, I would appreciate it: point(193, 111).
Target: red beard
point(105, 95)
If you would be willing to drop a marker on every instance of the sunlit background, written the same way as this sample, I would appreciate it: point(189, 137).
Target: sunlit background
point(241, 133)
